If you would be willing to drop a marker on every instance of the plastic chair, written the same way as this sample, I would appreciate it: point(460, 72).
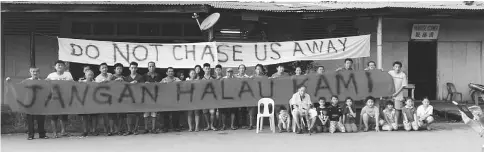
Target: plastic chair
point(452, 92)
point(270, 114)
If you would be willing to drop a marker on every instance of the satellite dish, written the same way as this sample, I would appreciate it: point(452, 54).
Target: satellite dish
point(209, 21)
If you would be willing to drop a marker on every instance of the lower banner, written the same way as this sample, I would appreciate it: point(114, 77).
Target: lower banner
point(63, 97)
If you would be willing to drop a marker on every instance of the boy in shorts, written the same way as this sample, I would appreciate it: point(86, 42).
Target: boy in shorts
point(60, 74)
point(134, 77)
point(389, 123)
point(424, 114)
point(120, 119)
point(87, 118)
point(335, 116)
point(400, 80)
point(151, 77)
point(209, 114)
point(370, 114)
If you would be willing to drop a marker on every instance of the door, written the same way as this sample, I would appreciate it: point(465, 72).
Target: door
point(422, 68)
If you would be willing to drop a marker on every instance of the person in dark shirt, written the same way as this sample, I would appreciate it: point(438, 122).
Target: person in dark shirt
point(134, 77)
point(349, 116)
point(335, 116)
point(118, 119)
point(34, 72)
point(151, 77)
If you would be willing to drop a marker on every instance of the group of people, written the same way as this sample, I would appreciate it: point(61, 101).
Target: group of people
point(321, 116)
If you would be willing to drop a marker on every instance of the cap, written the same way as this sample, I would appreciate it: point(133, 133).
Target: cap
point(230, 69)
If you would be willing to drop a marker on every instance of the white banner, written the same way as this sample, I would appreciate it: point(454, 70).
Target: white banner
point(228, 54)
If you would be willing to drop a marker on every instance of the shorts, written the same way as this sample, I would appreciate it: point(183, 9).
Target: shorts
point(398, 104)
point(61, 117)
point(336, 125)
point(312, 113)
point(410, 125)
point(351, 127)
point(206, 111)
point(426, 121)
point(148, 114)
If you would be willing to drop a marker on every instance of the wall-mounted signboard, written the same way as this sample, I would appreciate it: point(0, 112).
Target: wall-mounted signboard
point(425, 31)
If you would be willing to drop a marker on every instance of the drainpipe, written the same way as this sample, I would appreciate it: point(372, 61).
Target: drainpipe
point(379, 43)
point(32, 49)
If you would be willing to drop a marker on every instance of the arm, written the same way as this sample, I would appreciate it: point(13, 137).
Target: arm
point(404, 84)
point(361, 116)
point(377, 116)
point(352, 113)
point(385, 117)
point(405, 119)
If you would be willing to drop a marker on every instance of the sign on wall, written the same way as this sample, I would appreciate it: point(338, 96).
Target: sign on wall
point(228, 54)
point(425, 31)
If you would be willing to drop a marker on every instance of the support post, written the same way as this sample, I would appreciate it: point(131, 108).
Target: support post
point(210, 34)
point(32, 49)
point(379, 39)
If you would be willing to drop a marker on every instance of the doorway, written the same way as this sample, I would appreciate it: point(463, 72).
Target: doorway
point(422, 68)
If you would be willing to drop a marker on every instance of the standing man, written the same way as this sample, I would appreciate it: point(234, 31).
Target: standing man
point(371, 66)
point(60, 74)
point(348, 65)
point(231, 111)
point(120, 118)
point(151, 77)
point(34, 75)
point(401, 81)
point(244, 111)
point(134, 77)
point(320, 69)
point(105, 77)
point(220, 114)
point(280, 72)
point(209, 114)
point(170, 72)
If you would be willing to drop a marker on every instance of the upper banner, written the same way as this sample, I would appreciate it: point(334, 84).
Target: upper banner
point(228, 54)
point(68, 97)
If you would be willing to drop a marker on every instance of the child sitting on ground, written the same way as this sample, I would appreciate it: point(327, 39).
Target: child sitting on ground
point(335, 119)
point(324, 119)
point(349, 116)
point(313, 114)
point(409, 116)
point(284, 121)
point(424, 114)
point(389, 122)
point(370, 114)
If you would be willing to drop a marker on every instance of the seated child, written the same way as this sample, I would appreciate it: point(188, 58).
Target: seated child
point(335, 118)
point(284, 120)
point(370, 114)
point(424, 114)
point(409, 116)
point(313, 114)
point(389, 122)
point(349, 115)
point(324, 119)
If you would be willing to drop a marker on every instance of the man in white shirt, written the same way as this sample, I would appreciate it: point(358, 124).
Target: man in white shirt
point(424, 114)
point(299, 103)
point(170, 78)
point(105, 77)
point(400, 80)
point(60, 74)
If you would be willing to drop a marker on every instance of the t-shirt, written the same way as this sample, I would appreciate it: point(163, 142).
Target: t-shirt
point(207, 78)
point(152, 77)
point(23, 81)
point(344, 69)
point(409, 112)
point(371, 111)
point(64, 76)
point(114, 77)
point(169, 80)
point(138, 78)
point(390, 114)
point(349, 118)
point(218, 77)
point(242, 75)
point(421, 111)
point(102, 78)
point(400, 80)
point(301, 101)
point(277, 75)
point(334, 112)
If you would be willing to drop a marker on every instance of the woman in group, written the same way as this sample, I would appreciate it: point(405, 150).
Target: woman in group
point(199, 72)
point(193, 77)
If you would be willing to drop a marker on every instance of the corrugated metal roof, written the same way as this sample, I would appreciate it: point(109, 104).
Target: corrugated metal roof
point(278, 6)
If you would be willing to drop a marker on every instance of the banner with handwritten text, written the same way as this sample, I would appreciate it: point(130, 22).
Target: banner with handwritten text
point(228, 54)
point(65, 97)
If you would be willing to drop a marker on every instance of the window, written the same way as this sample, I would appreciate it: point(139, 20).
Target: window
point(81, 28)
point(172, 29)
point(126, 28)
point(103, 28)
point(149, 29)
point(192, 30)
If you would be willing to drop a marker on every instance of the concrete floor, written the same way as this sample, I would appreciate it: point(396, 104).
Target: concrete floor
point(451, 137)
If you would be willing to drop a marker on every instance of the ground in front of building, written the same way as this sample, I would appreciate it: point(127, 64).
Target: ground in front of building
point(445, 137)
